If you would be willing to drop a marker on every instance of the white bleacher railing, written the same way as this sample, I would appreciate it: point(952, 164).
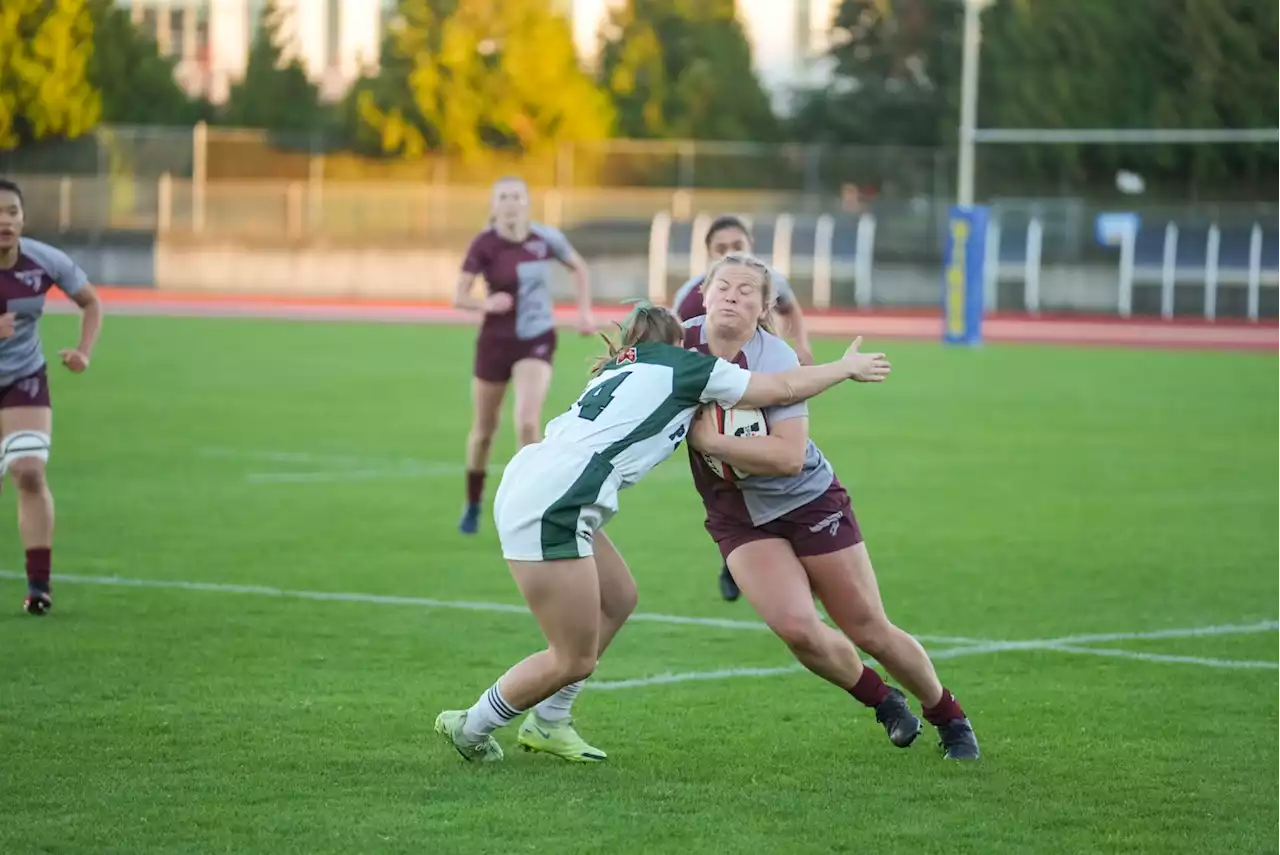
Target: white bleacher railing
point(991, 269)
point(1031, 267)
point(659, 249)
point(698, 244)
point(1166, 274)
point(1169, 270)
point(823, 240)
point(864, 260)
point(1255, 271)
point(783, 229)
point(1213, 245)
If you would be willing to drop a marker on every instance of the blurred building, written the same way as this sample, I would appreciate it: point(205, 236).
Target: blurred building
point(789, 40)
point(335, 39)
point(210, 39)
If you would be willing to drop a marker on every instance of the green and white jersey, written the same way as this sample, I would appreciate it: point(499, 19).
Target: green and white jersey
point(636, 411)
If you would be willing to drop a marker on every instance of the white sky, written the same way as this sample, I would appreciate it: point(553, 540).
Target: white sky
point(770, 26)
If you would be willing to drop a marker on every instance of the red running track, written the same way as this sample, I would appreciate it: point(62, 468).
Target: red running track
point(1070, 330)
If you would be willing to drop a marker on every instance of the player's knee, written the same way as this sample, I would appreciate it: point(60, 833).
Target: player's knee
point(802, 633)
point(576, 665)
point(28, 475)
point(872, 633)
point(483, 429)
point(481, 439)
point(23, 455)
point(528, 431)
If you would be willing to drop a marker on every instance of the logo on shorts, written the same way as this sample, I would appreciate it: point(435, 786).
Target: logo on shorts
point(627, 357)
point(33, 279)
point(536, 247)
point(29, 387)
point(832, 522)
point(541, 351)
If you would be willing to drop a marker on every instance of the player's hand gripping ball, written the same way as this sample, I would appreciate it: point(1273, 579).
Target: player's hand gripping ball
point(737, 422)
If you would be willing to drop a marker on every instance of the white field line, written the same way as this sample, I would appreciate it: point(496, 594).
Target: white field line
point(975, 647)
point(939, 655)
point(413, 472)
point(1222, 629)
point(967, 647)
point(393, 600)
point(1164, 657)
point(664, 679)
point(331, 468)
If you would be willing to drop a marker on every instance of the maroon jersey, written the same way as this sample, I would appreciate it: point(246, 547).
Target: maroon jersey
point(759, 499)
point(23, 289)
point(523, 270)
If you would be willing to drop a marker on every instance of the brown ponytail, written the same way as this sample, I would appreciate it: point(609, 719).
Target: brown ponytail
point(646, 323)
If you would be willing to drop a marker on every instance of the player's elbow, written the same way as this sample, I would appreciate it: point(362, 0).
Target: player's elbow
point(768, 390)
point(792, 450)
point(791, 464)
point(786, 458)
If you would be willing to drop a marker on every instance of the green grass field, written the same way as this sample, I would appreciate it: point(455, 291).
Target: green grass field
point(1009, 493)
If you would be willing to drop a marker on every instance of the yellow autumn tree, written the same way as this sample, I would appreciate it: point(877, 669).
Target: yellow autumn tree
point(45, 88)
point(467, 76)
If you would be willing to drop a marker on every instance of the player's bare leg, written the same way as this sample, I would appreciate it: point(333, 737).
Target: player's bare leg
point(35, 501)
point(564, 596)
point(549, 726)
point(778, 588)
point(531, 379)
point(486, 403)
point(846, 583)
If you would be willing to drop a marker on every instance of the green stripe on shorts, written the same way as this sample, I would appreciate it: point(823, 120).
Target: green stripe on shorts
point(560, 522)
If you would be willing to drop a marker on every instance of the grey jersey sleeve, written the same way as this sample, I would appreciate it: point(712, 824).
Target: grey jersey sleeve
point(68, 275)
point(557, 244)
point(775, 355)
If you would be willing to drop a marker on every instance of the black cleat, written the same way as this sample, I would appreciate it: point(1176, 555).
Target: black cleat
point(728, 587)
point(470, 522)
point(900, 723)
point(958, 741)
point(37, 603)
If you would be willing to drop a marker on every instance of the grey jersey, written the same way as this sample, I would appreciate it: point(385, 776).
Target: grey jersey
point(523, 270)
point(23, 289)
point(766, 497)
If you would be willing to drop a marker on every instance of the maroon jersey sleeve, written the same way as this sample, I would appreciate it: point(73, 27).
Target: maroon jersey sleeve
point(477, 258)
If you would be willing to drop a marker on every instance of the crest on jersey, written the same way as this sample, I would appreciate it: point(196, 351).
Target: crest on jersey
point(33, 279)
point(536, 247)
point(627, 357)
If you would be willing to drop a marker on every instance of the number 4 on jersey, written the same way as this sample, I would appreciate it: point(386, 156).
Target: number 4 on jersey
point(594, 402)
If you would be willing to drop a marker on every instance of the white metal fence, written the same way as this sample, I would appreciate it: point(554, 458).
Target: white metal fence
point(1254, 266)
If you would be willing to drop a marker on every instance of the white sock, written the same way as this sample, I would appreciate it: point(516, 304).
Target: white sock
point(488, 714)
point(557, 707)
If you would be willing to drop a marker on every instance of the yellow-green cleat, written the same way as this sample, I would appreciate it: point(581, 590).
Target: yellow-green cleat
point(449, 725)
point(558, 738)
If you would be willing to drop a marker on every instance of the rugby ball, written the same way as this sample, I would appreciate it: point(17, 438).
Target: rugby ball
point(735, 421)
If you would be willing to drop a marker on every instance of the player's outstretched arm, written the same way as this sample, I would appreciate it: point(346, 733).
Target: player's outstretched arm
point(806, 381)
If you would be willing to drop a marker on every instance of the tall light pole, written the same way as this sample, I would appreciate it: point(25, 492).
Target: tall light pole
point(969, 98)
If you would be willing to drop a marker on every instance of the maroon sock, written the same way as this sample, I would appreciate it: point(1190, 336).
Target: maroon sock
point(945, 710)
point(475, 486)
point(39, 563)
point(870, 690)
